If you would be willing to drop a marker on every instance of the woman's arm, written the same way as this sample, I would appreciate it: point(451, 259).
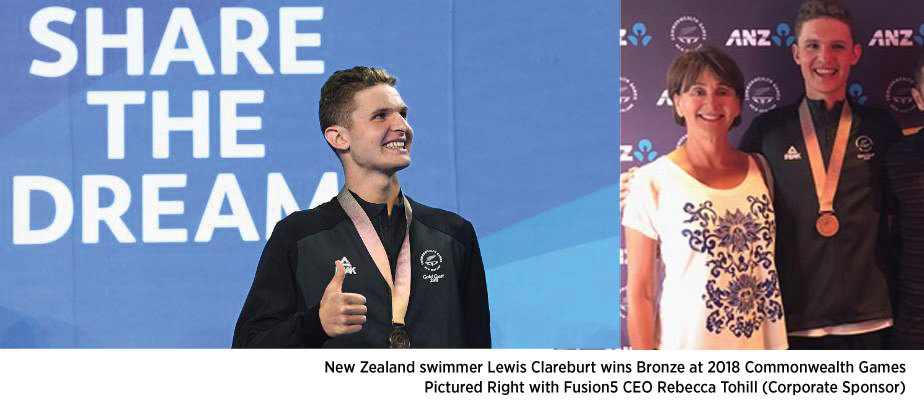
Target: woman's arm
point(641, 288)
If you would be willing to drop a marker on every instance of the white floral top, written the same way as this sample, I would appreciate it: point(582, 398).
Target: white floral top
point(720, 288)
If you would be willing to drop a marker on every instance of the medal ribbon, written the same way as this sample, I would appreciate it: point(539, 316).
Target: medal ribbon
point(401, 287)
point(825, 183)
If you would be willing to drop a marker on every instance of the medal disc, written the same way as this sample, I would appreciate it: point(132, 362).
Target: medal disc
point(399, 338)
point(827, 224)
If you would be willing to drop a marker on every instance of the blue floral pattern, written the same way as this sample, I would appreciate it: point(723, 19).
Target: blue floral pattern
point(743, 290)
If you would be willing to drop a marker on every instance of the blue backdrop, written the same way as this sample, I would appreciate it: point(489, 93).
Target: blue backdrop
point(512, 104)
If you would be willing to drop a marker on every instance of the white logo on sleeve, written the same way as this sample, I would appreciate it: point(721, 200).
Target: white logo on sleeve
point(792, 154)
point(348, 268)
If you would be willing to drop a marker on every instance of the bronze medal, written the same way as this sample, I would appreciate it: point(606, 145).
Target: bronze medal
point(399, 283)
point(825, 180)
point(827, 224)
point(399, 338)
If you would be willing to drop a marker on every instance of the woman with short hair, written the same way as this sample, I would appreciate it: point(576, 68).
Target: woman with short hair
point(707, 208)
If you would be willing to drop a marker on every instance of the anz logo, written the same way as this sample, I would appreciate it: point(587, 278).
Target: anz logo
point(894, 37)
point(901, 37)
point(638, 37)
point(665, 100)
point(783, 36)
point(643, 153)
point(856, 92)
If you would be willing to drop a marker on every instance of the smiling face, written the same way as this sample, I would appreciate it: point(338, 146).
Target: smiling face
point(708, 105)
point(825, 52)
point(379, 137)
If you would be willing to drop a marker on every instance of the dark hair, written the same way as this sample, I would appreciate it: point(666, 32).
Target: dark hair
point(336, 102)
point(689, 66)
point(813, 9)
point(917, 69)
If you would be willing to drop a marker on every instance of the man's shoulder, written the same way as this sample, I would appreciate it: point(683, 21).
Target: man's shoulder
point(907, 147)
point(878, 124)
point(443, 221)
point(875, 115)
point(870, 111)
point(315, 220)
point(767, 126)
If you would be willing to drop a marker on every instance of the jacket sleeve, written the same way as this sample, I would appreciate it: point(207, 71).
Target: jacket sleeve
point(891, 203)
point(893, 135)
point(274, 315)
point(474, 292)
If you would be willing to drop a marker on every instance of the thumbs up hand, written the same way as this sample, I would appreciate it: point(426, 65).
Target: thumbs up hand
point(341, 313)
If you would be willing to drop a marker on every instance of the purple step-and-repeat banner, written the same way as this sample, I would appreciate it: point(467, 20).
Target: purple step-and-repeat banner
point(758, 35)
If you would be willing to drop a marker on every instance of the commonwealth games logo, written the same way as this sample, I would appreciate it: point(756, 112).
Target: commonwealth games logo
point(898, 95)
point(762, 94)
point(688, 33)
point(431, 260)
point(627, 94)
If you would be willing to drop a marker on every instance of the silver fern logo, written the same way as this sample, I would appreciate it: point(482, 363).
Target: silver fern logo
point(762, 94)
point(431, 260)
point(688, 33)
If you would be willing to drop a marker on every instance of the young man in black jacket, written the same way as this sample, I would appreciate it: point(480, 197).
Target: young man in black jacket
point(832, 196)
point(370, 268)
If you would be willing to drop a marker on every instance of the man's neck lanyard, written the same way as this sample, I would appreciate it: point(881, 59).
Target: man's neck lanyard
point(825, 183)
point(401, 287)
